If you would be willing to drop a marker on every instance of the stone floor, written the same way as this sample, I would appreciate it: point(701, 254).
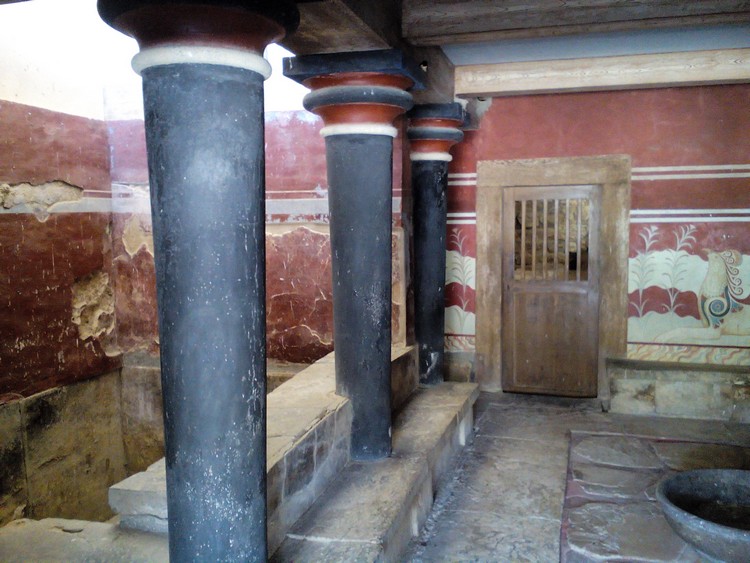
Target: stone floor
point(538, 470)
point(507, 499)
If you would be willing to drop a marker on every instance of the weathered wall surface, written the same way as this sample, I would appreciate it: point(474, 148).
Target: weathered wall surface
point(57, 319)
point(61, 450)
point(690, 201)
point(298, 255)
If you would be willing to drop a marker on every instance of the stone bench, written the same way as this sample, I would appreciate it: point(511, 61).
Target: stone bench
point(308, 428)
point(704, 391)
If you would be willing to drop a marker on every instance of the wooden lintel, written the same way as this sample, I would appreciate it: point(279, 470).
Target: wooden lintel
point(443, 22)
point(451, 38)
point(725, 66)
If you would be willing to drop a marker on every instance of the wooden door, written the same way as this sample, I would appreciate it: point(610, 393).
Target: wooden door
point(550, 281)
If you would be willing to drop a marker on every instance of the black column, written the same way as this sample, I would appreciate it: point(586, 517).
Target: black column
point(204, 132)
point(429, 181)
point(358, 95)
point(207, 201)
point(359, 200)
point(433, 130)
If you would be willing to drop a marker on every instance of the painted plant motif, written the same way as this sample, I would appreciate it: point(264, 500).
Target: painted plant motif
point(460, 286)
point(682, 296)
point(642, 267)
point(676, 264)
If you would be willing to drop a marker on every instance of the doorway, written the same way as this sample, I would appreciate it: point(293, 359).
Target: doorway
point(552, 248)
point(550, 278)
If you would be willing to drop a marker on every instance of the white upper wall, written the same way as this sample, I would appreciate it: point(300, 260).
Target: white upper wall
point(59, 55)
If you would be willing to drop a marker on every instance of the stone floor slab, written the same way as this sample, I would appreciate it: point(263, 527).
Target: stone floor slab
point(623, 532)
point(595, 481)
point(684, 456)
point(489, 536)
point(616, 451)
point(54, 539)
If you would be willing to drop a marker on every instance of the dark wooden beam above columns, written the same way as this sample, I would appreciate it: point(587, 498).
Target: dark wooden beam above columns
point(444, 22)
point(340, 26)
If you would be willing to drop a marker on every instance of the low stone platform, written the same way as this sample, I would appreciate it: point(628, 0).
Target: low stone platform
point(702, 391)
point(370, 512)
point(57, 539)
point(374, 509)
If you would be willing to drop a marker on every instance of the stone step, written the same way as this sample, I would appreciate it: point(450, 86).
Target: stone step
point(308, 429)
point(369, 513)
point(373, 509)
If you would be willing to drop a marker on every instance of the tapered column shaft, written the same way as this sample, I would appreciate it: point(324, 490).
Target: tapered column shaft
point(360, 216)
point(207, 201)
point(358, 95)
point(203, 100)
point(433, 130)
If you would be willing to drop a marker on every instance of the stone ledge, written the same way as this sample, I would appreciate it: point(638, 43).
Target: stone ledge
point(391, 498)
point(308, 429)
point(680, 390)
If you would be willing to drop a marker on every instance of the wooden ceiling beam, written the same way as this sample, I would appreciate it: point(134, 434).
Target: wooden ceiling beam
point(725, 66)
point(443, 22)
point(340, 26)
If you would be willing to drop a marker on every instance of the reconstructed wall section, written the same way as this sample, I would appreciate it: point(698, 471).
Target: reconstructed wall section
point(689, 265)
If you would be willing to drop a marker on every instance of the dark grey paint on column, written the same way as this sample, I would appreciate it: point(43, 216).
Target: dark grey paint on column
point(429, 183)
point(359, 199)
point(204, 131)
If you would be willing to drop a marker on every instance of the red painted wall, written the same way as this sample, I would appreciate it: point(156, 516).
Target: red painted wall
point(43, 257)
point(669, 129)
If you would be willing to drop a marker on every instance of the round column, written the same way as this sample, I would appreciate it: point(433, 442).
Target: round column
point(433, 130)
point(203, 76)
point(358, 110)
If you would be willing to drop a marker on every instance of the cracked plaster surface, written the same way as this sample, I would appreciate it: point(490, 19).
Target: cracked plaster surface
point(39, 199)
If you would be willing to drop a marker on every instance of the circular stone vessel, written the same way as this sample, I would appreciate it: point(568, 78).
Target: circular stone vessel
point(710, 510)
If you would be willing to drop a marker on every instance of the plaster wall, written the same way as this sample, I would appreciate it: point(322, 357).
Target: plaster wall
point(690, 201)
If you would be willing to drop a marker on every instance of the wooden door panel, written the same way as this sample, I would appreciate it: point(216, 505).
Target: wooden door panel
point(550, 290)
point(551, 360)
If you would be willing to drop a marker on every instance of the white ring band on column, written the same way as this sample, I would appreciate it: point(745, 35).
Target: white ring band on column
point(444, 156)
point(359, 129)
point(199, 54)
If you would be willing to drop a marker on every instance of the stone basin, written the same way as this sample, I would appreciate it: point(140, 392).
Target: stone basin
point(710, 510)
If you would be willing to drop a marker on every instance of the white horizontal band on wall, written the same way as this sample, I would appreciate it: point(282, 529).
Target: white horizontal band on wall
point(359, 129)
point(198, 54)
point(444, 156)
point(688, 176)
point(691, 219)
point(722, 211)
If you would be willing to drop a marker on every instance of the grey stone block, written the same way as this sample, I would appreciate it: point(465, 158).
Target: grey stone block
point(694, 399)
point(404, 375)
point(141, 500)
point(300, 464)
point(56, 539)
point(633, 396)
